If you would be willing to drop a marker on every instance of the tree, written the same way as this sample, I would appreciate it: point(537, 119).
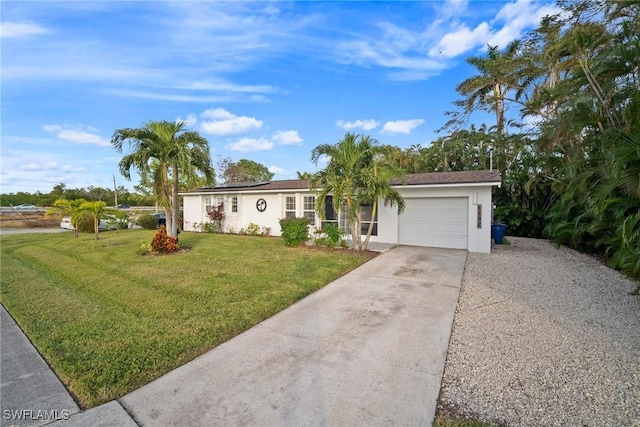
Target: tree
point(69, 207)
point(351, 176)
point(378, 187)
point(303, 175)
point(175, 151)
point(498, 74)
point(245, 171)
point(97, 210)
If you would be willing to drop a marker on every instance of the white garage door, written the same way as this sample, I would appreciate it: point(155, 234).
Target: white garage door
point(435, 222)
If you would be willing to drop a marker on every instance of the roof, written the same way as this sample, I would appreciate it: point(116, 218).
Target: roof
point(434, 178)
point(463, 177)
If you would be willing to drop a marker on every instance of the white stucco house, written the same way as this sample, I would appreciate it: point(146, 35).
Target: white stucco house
point(444, 209)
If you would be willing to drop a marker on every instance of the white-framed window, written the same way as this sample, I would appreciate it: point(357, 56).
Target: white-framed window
point(208, 204)
point(366, 210)
point(309, 209)
point(290, 207)
point(211, 203)
point(234, 204)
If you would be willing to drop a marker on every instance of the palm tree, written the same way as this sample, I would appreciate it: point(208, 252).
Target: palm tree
point(97, 210)
point(175, 151)
point(73, 207)
point(351, 176)
point(488, 90)
point(378, 187)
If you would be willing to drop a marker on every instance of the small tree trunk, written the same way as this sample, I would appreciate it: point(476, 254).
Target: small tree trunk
point(96, 226)
point(175, 204)
point(374, 208)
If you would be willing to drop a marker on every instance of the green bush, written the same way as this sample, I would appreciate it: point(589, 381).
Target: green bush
point(295, 231)
point(334, 235)
point(148, 222)
point(85, 224)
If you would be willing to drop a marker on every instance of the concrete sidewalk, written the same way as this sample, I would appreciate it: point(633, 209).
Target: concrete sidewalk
point(367, 349)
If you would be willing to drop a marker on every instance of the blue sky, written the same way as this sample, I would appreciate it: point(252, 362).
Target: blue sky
point(266, 81)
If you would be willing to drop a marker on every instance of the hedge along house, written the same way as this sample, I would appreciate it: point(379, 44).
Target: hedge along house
point(443, 209)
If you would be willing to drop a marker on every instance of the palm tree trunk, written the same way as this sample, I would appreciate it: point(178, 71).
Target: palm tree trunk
point(96, 226)
point(374, 208)
point(175, 205)
point(499, 108)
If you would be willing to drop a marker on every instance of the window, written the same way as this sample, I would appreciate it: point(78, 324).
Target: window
point(310, 209)
point(208, 204)
point(290, 207)
point(234, 204)
point(366, 210)
point(331, 215)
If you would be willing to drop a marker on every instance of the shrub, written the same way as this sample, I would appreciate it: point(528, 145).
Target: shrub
point(210, 227)
point(147, 221)
point(118, 220)
point(217, 216)
point(85, 224)
point(295, 231)
point(252, 229)
point(163, 244)
point(334, 235)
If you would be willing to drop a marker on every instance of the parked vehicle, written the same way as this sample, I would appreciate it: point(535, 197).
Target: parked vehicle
point(25, 207)
point(124, 206)
point(161, 219)
point(108, 223)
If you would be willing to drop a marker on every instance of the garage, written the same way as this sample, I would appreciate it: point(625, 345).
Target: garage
point(440, 222)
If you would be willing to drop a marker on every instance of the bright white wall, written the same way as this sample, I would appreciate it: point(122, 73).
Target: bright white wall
point(479, 239)
point(193, 212)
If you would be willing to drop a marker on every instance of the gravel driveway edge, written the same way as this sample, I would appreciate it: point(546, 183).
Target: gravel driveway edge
point(543, 336)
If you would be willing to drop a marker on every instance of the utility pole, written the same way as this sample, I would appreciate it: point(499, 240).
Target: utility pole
point(115, 192)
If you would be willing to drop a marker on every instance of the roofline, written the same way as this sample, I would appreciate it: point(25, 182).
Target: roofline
point(237, 190)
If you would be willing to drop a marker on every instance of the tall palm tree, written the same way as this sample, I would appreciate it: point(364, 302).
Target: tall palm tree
point(350, 176)
point(175, 151)
point(488, 90)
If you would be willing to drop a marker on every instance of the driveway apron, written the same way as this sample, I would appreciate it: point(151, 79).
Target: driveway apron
point(367, 349)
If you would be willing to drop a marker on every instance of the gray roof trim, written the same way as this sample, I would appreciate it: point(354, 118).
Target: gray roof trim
point(434, 179)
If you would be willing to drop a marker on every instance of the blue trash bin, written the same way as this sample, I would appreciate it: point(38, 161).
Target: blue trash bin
point(497, 232)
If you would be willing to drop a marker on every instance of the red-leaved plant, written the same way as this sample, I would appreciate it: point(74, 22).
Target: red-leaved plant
point(163, 244)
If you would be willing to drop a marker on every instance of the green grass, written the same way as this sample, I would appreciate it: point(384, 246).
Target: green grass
point(109, 319)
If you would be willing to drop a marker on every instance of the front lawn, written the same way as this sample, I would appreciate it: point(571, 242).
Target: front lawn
point(110, 320)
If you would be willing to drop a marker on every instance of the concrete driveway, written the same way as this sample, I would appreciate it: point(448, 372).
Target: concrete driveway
point(367, 349)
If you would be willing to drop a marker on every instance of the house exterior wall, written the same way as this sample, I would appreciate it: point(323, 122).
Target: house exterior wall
point(195, 210)
point(479, 238)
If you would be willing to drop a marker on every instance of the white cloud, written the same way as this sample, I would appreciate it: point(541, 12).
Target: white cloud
point(279, 171)
point(50, 166)
point(461, 40)
point(367, 124)
point(251, 144)
point(517, 17)
point(289, 137)
point(190, 120)
point(401, 126)
point(20, 29)
point(225, 86)
point(79, 135)
point(511, 21)
point(223, 123)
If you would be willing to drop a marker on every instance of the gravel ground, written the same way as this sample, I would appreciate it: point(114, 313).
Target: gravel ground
point(543, 336)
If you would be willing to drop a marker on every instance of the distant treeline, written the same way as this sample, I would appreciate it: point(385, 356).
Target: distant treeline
point(90, 193)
